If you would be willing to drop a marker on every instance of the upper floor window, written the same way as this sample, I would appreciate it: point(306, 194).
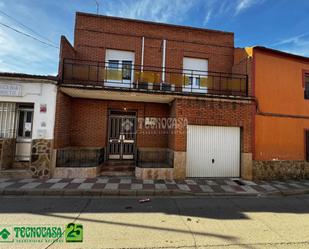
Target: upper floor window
point(120, 66)
point(113, 64)
point(306, 85)
point(194, 69)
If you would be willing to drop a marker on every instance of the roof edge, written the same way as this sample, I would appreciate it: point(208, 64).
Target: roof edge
point(281, 53)
point(28, 76)
point(154, 23)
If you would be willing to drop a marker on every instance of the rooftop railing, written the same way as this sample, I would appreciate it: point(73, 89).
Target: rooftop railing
point(127, 76)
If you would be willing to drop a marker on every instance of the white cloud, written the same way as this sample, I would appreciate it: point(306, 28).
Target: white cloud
point(243, 4)
point(207, 17)
point(22, 54)
point(158, 11)
point(226, 8)
point(298, 44)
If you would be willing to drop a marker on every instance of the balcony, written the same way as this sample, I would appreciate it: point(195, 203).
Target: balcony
point(129, 77)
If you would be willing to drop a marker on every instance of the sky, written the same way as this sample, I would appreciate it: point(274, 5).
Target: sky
point(278, 24)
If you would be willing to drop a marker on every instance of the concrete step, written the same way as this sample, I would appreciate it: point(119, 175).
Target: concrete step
point(118, 168)
point(117, 173)
point(15, 173)
point(119, 163)
point(20, 165)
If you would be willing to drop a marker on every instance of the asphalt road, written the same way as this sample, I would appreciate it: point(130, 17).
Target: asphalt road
point(277, 222)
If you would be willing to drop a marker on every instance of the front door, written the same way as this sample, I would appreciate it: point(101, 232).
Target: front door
point(122, 134)
point(24, 133)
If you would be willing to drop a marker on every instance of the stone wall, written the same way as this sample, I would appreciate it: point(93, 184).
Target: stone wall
point(280, 170)
point(246, 166)
point(88, 172)
point(41, 153)
point(179, 165)
point(154, 173)
point(7, 153)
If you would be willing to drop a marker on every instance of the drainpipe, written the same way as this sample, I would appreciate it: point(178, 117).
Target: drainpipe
point(163, 60)
point(142, 59)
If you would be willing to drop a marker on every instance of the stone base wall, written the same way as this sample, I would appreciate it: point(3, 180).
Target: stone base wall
point(246, 166)
point(154, 173)
point(177, 171)
point(280, 170)
point(7, 153)
point(41, 154)
point(179, 165)
point(71, 172)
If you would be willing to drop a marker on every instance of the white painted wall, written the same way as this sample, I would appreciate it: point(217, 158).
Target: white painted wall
point(38, 93)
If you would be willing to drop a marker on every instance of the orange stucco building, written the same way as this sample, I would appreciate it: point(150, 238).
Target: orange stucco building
point(281, 113)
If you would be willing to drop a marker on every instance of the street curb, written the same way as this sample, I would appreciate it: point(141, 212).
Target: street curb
point(295, 192)
point(150, 192)
point(98, 192)
point(286, 192)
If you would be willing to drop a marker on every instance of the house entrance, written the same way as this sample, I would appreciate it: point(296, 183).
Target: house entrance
point(121, 135)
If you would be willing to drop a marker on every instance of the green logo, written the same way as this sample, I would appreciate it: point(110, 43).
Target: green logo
point(5, 235)
point(74, 232)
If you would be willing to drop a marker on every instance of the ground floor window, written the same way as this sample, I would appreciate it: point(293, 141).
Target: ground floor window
point(7, 119)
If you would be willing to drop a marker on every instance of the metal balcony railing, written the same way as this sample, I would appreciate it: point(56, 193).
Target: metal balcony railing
point(126, 76)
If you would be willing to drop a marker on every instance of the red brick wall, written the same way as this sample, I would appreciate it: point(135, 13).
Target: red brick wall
point(83, 122)
point(66, 52)
point(243, 65)
point(216, 113)
point(62, 120)
point(88, 123)
point(94, 34)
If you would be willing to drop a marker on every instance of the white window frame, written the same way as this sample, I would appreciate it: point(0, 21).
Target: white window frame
point(195, 68)
point(122, 57)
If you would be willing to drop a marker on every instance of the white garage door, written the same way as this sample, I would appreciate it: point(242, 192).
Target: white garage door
point(213, 151)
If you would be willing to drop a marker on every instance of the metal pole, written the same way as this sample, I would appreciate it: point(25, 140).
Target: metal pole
point(97, 3)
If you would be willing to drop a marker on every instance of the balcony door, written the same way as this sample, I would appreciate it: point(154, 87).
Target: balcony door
point(195, 74)
point(119, 68)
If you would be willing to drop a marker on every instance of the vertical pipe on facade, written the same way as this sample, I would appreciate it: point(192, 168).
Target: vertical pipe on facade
point(163, 60)
point(142, 59)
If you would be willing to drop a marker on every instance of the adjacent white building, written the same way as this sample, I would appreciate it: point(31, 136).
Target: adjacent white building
point(27, 117)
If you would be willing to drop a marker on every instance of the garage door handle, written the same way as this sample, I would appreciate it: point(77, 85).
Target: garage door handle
point(213, 160)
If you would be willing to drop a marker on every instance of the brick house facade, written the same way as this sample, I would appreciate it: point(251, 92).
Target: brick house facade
point(166, 73)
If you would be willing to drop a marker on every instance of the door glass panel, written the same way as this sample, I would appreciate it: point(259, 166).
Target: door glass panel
point(197, 82)
point(25, 124)
point(21, 124)
point(29, 117)
point(113, 64)
point(126, 70)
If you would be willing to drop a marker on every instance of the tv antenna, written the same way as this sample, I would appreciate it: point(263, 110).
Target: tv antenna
point(98, 5)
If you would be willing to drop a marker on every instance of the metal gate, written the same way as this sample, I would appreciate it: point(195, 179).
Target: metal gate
point(121, 135)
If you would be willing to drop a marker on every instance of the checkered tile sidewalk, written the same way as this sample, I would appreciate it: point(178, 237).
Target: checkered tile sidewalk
point(193, 186)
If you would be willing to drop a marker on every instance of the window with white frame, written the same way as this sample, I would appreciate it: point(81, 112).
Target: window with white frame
point(122, 62)
point(194, 69)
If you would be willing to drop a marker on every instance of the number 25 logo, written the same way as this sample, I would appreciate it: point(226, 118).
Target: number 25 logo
point(74, 232)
